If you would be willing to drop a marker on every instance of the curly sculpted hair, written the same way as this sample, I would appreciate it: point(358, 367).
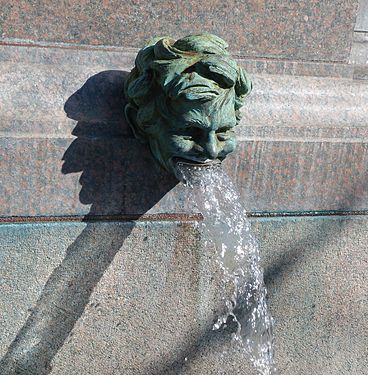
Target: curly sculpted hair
point(161, 71)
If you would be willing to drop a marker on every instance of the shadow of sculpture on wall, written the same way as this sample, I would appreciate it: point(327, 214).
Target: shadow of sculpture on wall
point(118, 176)
point(120, 180)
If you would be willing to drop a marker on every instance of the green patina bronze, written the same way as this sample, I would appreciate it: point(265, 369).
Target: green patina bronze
point(184, 98)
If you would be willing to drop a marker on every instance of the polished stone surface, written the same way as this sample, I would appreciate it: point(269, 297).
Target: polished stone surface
point(362, 17)
point(140, 298)
point(302, 140)
point(111, 177)
point(359, 56)
point(307, 30)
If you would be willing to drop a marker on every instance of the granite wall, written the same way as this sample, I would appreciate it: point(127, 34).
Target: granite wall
point(100, 270)
point(306, 30)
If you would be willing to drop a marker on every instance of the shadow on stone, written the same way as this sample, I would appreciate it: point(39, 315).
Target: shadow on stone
point(207, 341)
point(295, 254)
point(120, 181)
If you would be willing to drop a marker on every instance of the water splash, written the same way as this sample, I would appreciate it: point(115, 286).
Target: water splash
point(211, 192)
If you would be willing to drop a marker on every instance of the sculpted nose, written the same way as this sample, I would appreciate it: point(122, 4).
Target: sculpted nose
point(211, 146)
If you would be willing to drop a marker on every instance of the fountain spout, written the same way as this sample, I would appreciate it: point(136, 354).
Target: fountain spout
point(184, 99)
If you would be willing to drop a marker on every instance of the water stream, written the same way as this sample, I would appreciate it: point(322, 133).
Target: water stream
point(212, 193)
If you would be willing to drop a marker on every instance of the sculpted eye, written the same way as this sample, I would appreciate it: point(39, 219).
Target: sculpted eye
point(196, 133)
point(192, 134)
point(224, 129)
point(224, 134)
point(223, 137)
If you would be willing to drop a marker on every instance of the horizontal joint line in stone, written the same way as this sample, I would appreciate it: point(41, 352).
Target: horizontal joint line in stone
point(180, 217)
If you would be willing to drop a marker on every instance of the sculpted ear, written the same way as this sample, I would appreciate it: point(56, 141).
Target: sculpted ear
point(131, 117)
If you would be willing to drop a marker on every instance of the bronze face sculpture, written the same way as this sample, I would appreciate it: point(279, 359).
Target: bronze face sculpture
point(184, 98)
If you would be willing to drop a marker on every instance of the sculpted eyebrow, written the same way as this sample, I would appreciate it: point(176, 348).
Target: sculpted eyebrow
point(197, 124)
point(222, 72)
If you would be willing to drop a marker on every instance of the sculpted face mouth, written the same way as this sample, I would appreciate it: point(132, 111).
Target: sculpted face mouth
point(199, 88)
point(196, 160)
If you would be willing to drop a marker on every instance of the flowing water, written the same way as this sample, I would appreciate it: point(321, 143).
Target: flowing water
point(211, 192)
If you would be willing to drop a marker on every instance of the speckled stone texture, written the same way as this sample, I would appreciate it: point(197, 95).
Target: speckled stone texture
point(302, 141)
point(308, 30)
point(109, 298)
point(359, 55)
point(362, 17)
point(316, 272)
point(140, 299)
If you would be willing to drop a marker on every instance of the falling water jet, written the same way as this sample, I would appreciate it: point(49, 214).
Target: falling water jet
point(225, 225)
point(184, 100)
